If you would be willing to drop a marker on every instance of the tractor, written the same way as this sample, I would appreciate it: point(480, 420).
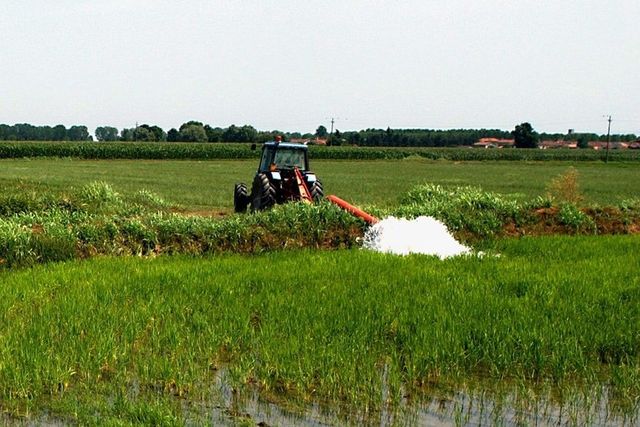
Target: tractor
point(283, 175)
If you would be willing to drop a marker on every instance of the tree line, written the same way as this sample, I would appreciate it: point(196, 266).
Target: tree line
point(28, 132)
point(194, 131)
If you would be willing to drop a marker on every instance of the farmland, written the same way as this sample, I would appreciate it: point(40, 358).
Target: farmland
point(207, 185)
point(249, 304)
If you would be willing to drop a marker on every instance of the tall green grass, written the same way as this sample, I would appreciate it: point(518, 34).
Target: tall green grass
point(144, 339)
point(96, 219)
point(36, 227)
point(478, 214)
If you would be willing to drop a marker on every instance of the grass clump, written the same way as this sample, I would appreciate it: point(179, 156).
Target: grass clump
point(474, 214)
point(463, 209)
point(96, 219)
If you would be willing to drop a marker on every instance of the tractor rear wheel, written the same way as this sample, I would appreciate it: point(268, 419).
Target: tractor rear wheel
point(263, 193)
point(316, 190)
point(240, 198)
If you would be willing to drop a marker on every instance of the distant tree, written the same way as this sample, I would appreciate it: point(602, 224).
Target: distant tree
point(78, 133)
point(244, 133)
point(144, 134)
point(190, 122)
point(525, 136)
point(248, 134)
point(127, 134)
point(582, 142)
point(193, 133)
point(213, 134)
point(25, 132)
point(149, 133)
point(59, 133)
point(321, 132)
point(335, 139)
point(173, 135)
point(231, 134)
point(5, 132)
point(158, 133)
point(106, 133)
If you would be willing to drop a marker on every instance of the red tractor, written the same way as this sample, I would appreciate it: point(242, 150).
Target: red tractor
point(283, 175)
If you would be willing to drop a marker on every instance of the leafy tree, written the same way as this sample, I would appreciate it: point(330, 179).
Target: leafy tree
point(106, 133)
point(525, 136)
point(321, 132)
point(78, 133)
point(245, 133)
point(190, 122)
point(128, 134)
point(149, 133)
point(335, 139)
point(173, 135)
point(248, 134)
point(158, 133)
point(582, 142)
point(59, 133)
point(5, 132)
point(213, 134)
point(143, 133)
point(193, 133)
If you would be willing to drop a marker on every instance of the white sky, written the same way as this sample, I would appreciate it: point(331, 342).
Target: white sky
point(292, 64)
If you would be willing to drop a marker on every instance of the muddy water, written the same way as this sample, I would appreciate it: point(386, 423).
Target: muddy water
point(475, 407)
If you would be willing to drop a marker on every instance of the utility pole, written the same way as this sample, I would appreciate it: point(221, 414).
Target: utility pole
point(331, 133)
point(606, 159)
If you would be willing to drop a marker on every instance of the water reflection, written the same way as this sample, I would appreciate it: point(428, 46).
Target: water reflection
point(479, 404)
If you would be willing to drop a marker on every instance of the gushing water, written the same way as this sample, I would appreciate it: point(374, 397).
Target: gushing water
point(423, 235)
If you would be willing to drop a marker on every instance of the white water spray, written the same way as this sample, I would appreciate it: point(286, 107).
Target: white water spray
point(423, 235)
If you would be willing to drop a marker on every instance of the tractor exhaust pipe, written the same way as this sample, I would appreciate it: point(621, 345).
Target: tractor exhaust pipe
point(370, 219)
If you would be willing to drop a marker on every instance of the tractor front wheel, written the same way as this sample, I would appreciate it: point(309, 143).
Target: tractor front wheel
point(240, 198)
point(263, 193)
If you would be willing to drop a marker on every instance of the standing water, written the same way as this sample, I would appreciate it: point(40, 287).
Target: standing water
point(423, 235)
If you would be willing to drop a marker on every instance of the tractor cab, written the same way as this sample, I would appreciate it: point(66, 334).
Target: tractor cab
point(283, 156)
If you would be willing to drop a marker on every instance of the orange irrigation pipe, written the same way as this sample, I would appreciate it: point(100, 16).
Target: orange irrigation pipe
point(352, 209)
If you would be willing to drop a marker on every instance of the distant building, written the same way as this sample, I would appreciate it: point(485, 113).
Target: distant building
point(494, 143)
point(613, 145)
point(309, 141)
point(557, 144)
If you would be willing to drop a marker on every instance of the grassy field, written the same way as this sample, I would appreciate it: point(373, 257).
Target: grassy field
point(207, 185)
point(142, 340)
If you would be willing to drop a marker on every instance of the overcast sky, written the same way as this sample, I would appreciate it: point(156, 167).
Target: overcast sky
point(293, 64)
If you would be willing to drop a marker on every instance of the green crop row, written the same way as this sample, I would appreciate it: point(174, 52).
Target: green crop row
point(131, 150)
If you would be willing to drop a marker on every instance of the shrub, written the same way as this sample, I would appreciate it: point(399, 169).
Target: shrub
point(565, 188)
point(571, 216)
